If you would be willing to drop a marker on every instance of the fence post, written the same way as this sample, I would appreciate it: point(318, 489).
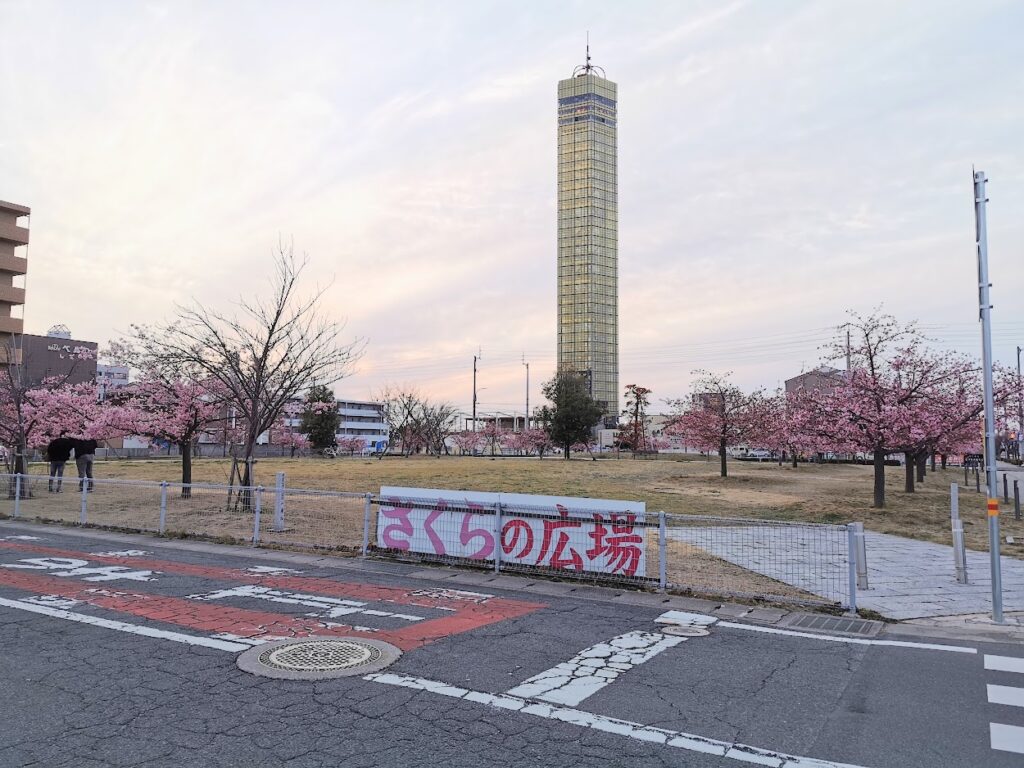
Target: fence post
point(17, 493)
point(256, 516)
point(163, 507)
point(497, 537)
point(862, 557)
point(977, 481)
point(84, 510)
point(959, 550)
point(662, 553)
point(1016, 501)
point(279, 502)
point(367, 504)
point(851, 556)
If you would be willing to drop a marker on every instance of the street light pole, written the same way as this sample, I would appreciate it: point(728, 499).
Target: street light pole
point(474, 391)
point(526, 421)
point(985, 306)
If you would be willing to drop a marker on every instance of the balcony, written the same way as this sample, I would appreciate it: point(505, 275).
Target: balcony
point(11, 295)
point(11, 325)
point(15, 264)
point(12, 232)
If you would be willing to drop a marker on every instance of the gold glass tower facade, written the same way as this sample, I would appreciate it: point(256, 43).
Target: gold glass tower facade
point(588, 280)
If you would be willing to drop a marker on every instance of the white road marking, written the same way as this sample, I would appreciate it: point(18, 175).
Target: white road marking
point(684, 619)
point(20, 538)
point(271, 570)
point(123, 553)
point(53, 601)
point(453, 594)
point(1007, 738)
point(120, 626)
point(1005, 694)
point(1004, 663)
point(329, 607)
point(71, 566)
point(593, 668)
point(853, 640)
point(637, 731)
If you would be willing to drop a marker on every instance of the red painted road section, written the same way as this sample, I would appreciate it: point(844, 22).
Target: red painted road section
point(462, 615)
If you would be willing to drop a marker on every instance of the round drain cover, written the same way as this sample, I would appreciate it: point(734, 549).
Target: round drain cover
point(685, 630)
point(317, 658)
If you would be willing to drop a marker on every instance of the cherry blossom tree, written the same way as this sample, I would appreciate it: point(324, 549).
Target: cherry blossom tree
point(537, 440)
point(467, 441)
point(492, 436)
point(717, 416)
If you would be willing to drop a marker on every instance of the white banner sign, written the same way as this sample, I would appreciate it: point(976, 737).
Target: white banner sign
point(598, 535)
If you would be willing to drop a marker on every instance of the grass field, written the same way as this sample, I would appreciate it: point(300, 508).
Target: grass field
point(811, 493)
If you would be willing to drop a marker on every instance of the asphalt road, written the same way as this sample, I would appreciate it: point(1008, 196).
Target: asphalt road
point(120, 651)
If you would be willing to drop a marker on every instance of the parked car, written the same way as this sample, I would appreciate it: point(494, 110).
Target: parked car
point(760, 454)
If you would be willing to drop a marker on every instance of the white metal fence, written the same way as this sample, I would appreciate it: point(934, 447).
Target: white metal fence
point(791, 562)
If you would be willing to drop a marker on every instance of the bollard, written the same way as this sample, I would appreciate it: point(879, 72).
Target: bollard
point(163, 507)
point(497, 537)
point(256, 516)
point(17, 494)
point(83, 512)
point(977, 481)
point(965, 474)
point(279, 502)
point(851, 557)
point(367, 502)
point(1006, 490)
point(862, 557)
point(1016, 501)
point(662, 553)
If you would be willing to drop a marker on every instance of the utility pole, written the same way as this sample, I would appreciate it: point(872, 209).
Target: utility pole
point(1020, 406)
point(847, 350)
point(475, 358)
point(526, 421)
point(985, 307)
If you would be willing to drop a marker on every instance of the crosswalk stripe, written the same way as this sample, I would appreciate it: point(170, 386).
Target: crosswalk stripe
point(1005, 694)
point(1007, 738)
point(593, 668)
point(1004, 664)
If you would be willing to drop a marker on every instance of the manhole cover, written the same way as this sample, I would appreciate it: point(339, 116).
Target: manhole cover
point(317, 659)
point(684, 630)
point(839, 625)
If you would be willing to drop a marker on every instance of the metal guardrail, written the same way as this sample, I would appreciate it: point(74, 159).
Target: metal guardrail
point(703, 555)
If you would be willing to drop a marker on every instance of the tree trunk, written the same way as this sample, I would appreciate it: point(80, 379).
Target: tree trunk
point(879, 500)
point(922, 466)
point(944, 461)
point(909, 461)
point(567, 452)
point(721, 458)
point(793, 456)
point(933, 461)
point(185, 446)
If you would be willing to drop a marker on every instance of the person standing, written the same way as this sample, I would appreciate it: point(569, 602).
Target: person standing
point(85, 453)
point(57, 453)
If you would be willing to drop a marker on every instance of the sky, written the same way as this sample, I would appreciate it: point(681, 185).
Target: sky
point(779, 164)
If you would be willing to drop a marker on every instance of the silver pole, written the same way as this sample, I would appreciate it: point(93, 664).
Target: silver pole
point(17, 494)
point(959, 551)
point(662, 552)
point(163, 507)
point(256, 516)
point(367, 502)
point(862, 556)
point(985, 306)
point(84, 510)
point(279, 502)
point(851, 557)
point(497, 537)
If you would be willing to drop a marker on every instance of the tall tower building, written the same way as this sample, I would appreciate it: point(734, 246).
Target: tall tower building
point(588, 254)
point(13, 267)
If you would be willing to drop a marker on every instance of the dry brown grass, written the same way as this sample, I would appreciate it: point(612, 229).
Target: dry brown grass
point(811, 493)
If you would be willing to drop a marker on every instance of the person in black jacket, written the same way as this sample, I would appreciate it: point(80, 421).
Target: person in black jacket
point(85, 453)
point(57, 453)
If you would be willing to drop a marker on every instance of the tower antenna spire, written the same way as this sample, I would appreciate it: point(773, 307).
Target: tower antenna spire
point(588, 68)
